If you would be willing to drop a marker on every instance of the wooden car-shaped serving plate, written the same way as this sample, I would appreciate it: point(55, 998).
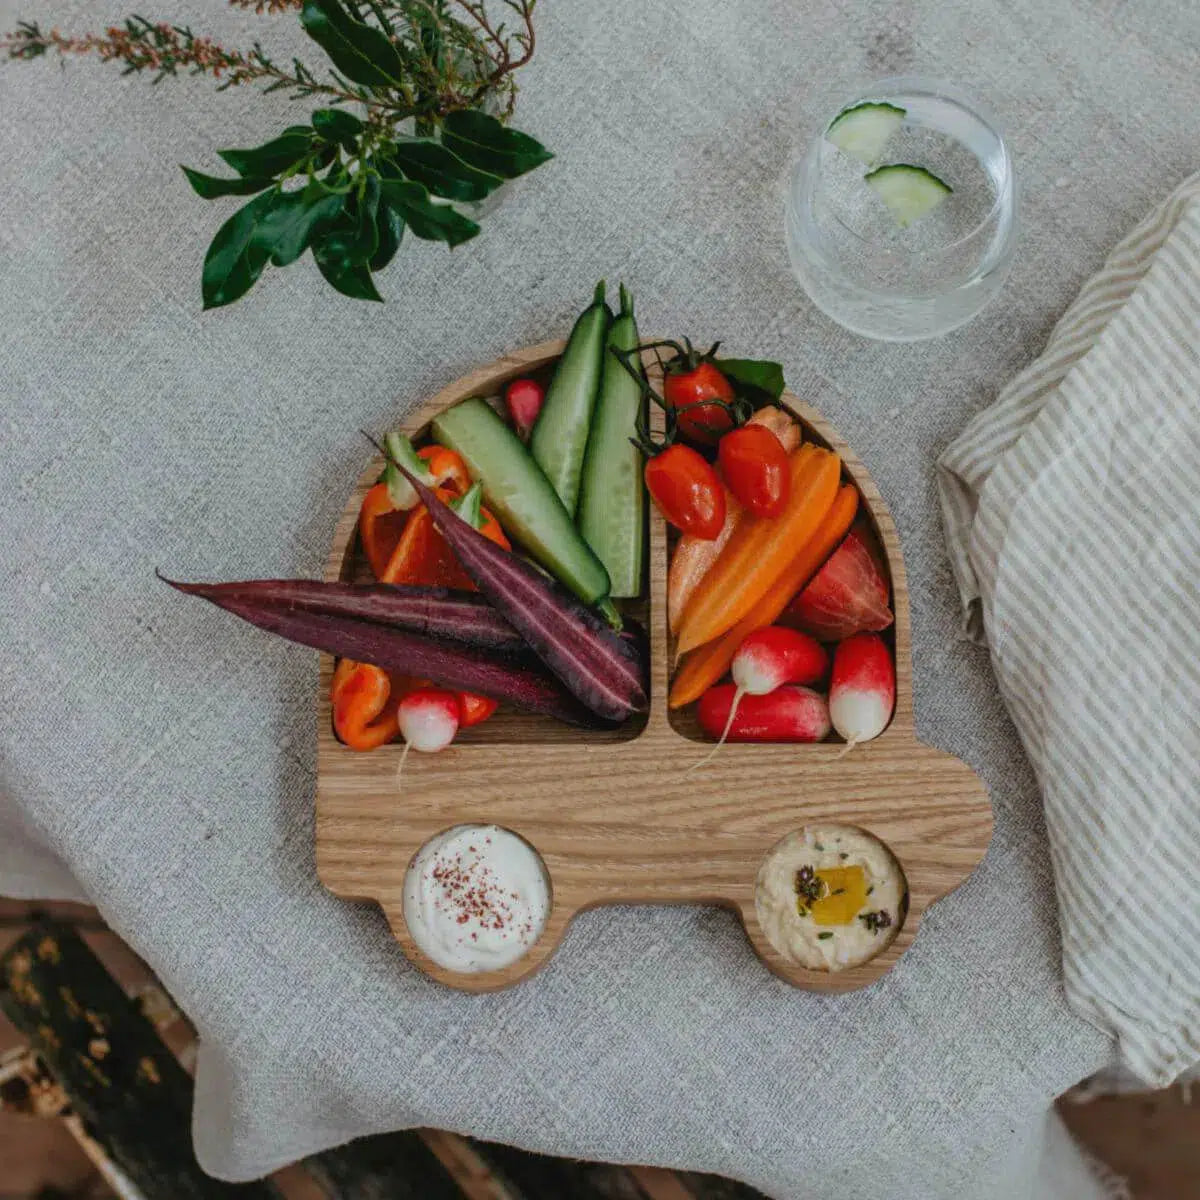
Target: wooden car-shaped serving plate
point(615, 815)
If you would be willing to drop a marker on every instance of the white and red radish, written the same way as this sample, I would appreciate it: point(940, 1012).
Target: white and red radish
point(429, 720)
point(772, 656)
point(766, 660)
point(788, 714)
point(523, 398)
point(848, 595)
point(862, 693)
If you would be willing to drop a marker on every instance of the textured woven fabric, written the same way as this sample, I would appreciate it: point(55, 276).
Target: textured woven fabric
point(165, 755)
point(1074, 530)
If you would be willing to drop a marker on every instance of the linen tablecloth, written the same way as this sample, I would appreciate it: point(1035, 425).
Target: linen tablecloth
point(163, 757)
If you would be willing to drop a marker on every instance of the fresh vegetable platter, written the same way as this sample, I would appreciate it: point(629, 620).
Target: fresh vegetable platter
point(648, 809)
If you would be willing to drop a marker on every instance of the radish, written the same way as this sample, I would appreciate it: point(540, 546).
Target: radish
point(523, 399)
point(767, 659)
point(788, 714)
point(863, 690)
point(429, 721)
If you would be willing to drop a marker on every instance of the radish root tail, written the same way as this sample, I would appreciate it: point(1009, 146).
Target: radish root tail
point(400, 767)
point(737, 699)
point(846, 749)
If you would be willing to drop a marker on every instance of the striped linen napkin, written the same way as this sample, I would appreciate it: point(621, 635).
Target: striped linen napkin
point(1072, 513)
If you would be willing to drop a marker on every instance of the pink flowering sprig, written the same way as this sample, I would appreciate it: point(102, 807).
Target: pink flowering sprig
point(165, 50)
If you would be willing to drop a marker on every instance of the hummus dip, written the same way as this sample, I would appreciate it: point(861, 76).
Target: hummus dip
point(830, 897)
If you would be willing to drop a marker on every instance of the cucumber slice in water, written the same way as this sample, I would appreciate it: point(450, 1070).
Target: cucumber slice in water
point(864, 130)
point(909, 192)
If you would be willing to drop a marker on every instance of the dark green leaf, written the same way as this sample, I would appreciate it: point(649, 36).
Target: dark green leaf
point(289, 148)
point(345, 248)
point(234, 260)
point(210, 187)
point(363, 211)
point(442, 171)
point(288, 226)
point(336, 125)
point(433, 222)
point(349, 275)
point(389, 225)
point(361, 52)
point(754, 375)
point(484, 142)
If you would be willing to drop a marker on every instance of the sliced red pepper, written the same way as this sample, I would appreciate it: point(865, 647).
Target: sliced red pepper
point(380, 525)
point(423, 557)
point(381, 522)
point(473, 709)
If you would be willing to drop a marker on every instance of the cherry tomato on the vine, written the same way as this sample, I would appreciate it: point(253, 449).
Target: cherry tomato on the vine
point(755, 466)
point(689, 393)
point(687, 491)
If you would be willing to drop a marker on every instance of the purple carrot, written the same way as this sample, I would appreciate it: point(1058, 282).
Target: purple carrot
point(431, 611)
point(447, 664)
point(606, 673)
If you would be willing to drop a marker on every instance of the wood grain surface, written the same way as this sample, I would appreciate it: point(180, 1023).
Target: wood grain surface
point(616, 817)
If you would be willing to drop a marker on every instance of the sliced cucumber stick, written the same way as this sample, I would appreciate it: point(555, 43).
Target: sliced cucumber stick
point(522, 498)
point(559, 438)
point(612, 498)
point(864, 130)
point(909, 192)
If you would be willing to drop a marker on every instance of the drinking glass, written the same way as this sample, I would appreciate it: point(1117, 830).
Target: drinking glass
point(858, 264)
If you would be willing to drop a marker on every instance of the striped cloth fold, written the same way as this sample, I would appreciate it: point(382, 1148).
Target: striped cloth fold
point(1072, 513)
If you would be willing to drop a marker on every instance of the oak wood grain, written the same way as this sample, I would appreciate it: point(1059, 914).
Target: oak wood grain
point(616, 816)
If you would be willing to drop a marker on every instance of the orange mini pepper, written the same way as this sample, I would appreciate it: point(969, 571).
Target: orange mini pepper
point(446, 467)
point(364, 700)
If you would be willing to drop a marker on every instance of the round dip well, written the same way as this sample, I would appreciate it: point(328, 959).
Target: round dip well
point(830, 897)
point(476, 897)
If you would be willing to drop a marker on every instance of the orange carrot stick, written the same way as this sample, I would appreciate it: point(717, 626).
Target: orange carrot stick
point(693, 556)
point(705, 665)
point(760, 550)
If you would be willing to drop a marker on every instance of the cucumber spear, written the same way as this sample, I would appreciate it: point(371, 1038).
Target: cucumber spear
point(559, 439)
point(612, 499)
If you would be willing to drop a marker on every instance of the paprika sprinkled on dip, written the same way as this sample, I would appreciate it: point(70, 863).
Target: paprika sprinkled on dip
point(830, 897)
point(476, 897)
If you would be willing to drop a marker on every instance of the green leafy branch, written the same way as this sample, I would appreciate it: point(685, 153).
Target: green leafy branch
point(345, 186)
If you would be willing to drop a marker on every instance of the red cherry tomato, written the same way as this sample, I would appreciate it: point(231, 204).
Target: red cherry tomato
point(687, 491)
point(755, 466)
point(688, 391)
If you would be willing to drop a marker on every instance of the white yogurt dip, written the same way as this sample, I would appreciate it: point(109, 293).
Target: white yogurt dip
point(476, 897)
